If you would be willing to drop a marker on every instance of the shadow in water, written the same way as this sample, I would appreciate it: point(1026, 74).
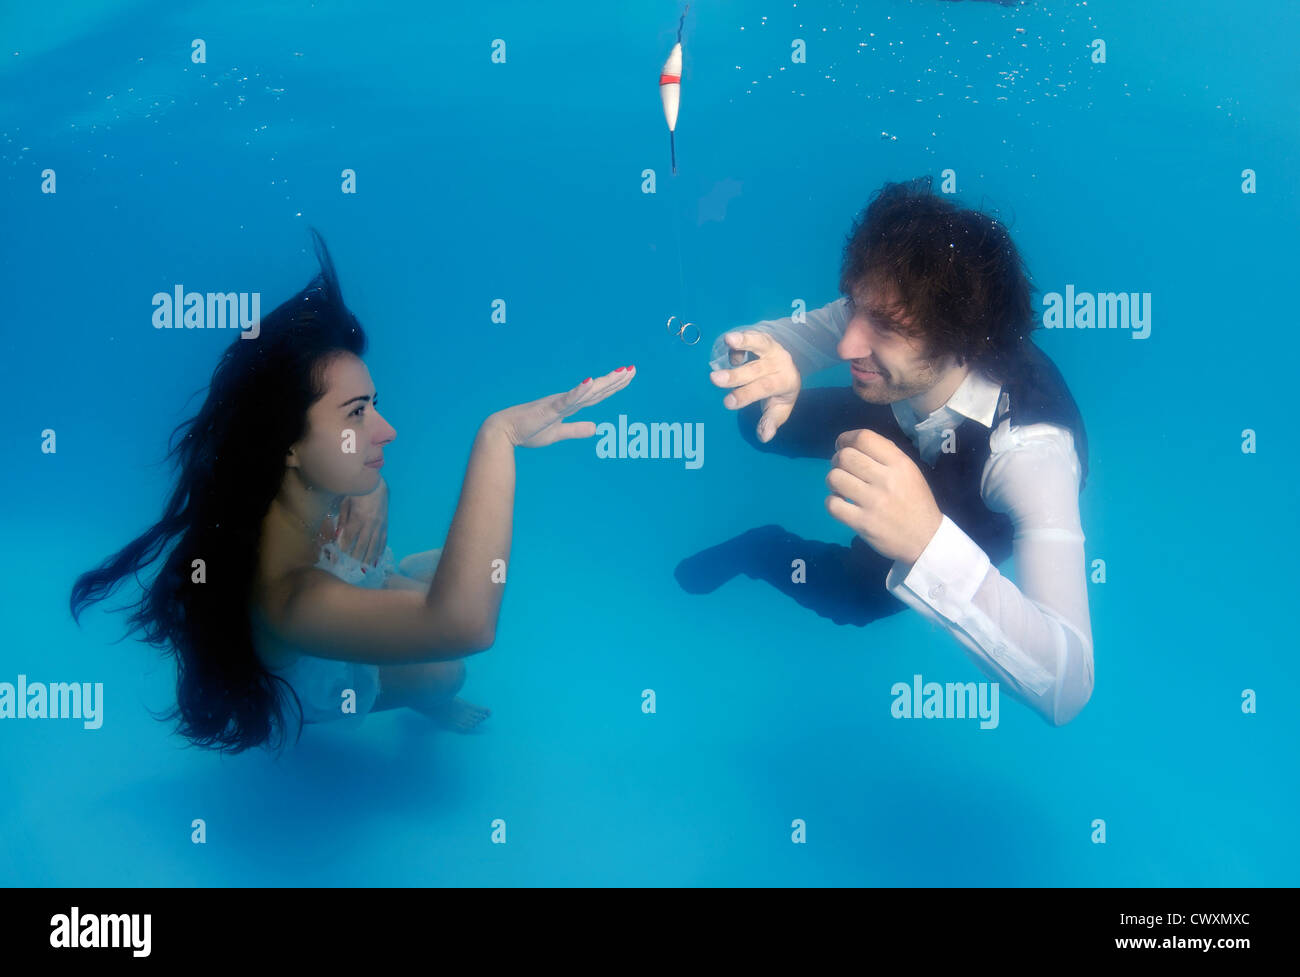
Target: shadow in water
point(845, 584)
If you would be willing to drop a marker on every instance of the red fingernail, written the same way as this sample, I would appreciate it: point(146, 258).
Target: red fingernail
point(588, 380)
point(620, 369)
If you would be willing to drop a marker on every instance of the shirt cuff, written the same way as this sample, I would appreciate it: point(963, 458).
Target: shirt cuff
point(947, 574)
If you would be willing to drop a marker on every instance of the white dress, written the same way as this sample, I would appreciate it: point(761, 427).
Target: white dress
point(321, 682)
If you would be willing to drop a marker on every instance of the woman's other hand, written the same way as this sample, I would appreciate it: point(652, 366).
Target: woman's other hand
point(363, 525)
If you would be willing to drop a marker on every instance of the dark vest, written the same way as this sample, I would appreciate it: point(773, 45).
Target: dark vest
point(1035, 393)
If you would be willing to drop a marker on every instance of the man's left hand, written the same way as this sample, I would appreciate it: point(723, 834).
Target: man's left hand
point(882, 495)
point(363, 525)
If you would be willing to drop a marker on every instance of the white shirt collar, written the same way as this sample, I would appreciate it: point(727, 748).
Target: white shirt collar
point(976, 398)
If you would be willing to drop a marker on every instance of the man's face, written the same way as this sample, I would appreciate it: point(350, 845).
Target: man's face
point(887, 364)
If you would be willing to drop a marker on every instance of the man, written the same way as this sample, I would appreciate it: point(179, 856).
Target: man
point(981, 453)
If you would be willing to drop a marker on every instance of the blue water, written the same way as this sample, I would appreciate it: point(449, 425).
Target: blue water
point(522, 181)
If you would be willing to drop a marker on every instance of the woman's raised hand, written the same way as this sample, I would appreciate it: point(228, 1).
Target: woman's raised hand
point(539, 422)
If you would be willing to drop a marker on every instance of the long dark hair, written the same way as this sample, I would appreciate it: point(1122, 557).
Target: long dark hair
point(957, 272)
point(230, 463)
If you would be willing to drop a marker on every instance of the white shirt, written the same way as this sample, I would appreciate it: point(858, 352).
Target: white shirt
point(1035, 639)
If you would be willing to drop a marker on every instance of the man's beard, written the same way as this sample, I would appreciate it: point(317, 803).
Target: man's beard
point(883, 390)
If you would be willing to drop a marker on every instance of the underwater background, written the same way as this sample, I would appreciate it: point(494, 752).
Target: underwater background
point(523, 179)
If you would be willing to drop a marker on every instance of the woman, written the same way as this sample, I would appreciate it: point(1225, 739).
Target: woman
point(254, 599)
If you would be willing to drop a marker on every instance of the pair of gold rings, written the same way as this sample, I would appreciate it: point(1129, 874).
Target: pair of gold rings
point(681, 332)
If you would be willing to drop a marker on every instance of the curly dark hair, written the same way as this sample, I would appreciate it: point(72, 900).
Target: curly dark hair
point(957, 272)
point(230, 462)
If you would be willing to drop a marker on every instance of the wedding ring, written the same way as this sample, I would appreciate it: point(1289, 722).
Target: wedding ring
point(681, 331)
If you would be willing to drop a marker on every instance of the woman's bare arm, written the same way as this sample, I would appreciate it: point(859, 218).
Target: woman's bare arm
point(399, 581)
point(480, 534)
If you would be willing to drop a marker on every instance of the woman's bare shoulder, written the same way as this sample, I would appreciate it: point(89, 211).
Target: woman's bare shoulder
point(272, 590)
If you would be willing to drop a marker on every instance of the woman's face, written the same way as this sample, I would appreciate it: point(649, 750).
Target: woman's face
point(343, 448)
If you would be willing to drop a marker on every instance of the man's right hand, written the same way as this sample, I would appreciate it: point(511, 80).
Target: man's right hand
point(771, 378)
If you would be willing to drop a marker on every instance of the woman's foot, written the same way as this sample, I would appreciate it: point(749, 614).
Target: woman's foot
point(456, 714)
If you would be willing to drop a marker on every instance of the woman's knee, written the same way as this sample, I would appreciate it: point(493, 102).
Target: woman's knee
point(446, 678)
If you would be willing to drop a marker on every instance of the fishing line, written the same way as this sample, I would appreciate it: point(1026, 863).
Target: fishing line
point(677, 227)
point(670, 79)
